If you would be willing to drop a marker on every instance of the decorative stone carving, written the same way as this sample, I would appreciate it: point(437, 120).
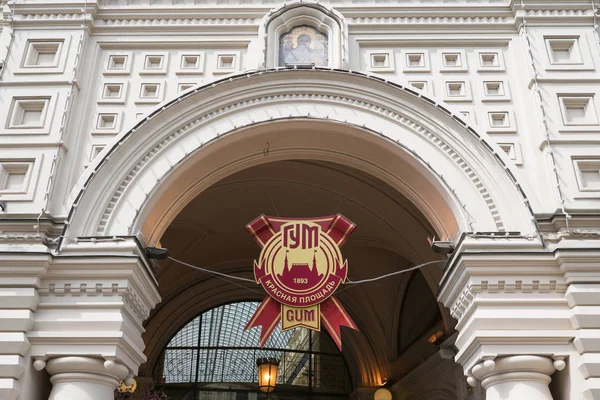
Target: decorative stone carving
point(515, 377)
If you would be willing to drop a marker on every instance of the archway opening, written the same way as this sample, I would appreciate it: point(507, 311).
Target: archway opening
point(213, 357)
point(391, 236)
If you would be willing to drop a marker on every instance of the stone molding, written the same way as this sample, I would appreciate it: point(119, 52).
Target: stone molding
point(491, 297)
point(407, 122)
point(140, 16)
point(130, 295)
point(109, 279)
point(237, 109)
point(468, 295)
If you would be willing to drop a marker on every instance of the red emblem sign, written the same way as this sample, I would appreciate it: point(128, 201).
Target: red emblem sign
point(300, 267)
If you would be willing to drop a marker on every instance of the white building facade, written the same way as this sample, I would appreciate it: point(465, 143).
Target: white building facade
point(128, 123)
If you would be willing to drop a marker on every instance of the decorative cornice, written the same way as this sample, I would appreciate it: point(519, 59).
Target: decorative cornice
point(430, 20)
point(129, 295)
point(466, 298)
point(174, 21)
point(240, 13)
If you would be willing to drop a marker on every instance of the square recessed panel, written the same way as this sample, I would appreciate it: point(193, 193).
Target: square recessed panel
point(151, 92)
point(380, 60)
point(416, 61)
point(14, 176)
point(17, 177)
point(190, 64)
point(118, 63)
point(457, 91)
point(227, 62)
point(491, 60)
point(154, 63)
point(28, 113)
point(564, 51)
point(513, 151)
point(587, 171)
point(44, 56)
point(578, 110)
point(495, 91)
point(113, 92)
point(501, 121)
point(453, 61)
point(108, 122)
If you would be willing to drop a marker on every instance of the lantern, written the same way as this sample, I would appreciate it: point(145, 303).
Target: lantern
point(267, 374)
point(382, 394)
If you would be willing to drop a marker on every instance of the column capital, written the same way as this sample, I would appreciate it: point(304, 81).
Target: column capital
point(92, 378)
point(501, 368)
point(105, 371)
point(522, 376)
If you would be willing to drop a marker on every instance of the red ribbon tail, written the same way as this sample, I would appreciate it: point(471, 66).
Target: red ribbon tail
point(333, 317)
point(266, 316)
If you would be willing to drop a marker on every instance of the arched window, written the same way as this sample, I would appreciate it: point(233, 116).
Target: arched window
point(212, 357)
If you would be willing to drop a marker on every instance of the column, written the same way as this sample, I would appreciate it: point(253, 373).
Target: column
point(88, 325)
point(513, 321)
point(83, 378)
point(516, 377)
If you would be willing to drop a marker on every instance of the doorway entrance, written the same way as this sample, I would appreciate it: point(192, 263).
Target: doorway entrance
point(212, 357)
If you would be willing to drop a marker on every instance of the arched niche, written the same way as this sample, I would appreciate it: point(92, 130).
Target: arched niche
point(312, 14)
point(458, 178)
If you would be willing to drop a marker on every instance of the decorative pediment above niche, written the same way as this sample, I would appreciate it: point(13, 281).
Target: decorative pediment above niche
point(304, 33)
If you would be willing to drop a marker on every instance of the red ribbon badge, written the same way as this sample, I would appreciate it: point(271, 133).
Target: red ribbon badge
point(300, 267)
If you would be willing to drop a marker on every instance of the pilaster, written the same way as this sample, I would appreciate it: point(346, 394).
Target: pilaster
point(584, 300)
point(20, 276)
point(93, 302)
point(508, 296)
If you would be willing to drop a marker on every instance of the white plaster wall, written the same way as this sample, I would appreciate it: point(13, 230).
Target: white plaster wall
point(139, 29)
point(60, 151)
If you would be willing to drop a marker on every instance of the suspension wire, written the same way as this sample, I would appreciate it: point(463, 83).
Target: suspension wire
point(219, 275)
point(348, 281)
point(208, 271)
point(403, 271)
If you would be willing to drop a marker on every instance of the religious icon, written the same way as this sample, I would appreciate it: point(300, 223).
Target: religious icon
point(303, 45)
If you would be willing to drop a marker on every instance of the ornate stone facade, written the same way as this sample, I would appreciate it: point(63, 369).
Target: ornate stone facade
point(482, 116)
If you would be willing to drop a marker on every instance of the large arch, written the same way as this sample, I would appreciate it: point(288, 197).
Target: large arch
point(457, 177)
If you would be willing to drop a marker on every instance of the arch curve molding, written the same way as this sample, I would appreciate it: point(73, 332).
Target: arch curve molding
point(459, 179)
